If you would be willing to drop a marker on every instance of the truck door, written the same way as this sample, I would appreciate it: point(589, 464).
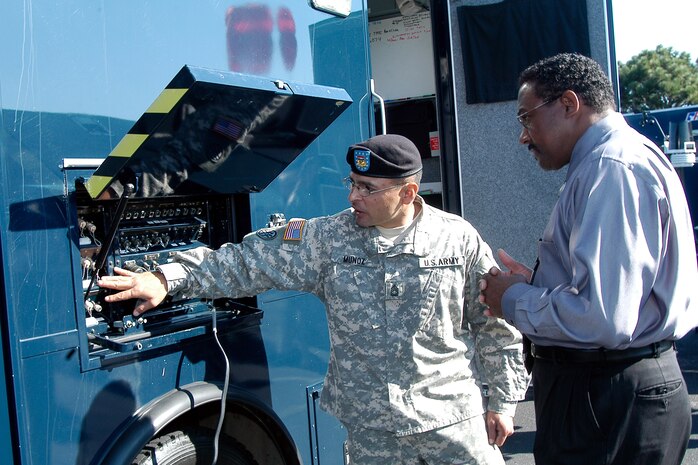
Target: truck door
point(403, 45)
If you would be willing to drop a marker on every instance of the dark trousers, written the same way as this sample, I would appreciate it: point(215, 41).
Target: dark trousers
point(623, 413)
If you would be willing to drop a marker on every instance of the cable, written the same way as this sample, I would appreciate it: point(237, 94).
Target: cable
point(101, 259)
point(224, 395)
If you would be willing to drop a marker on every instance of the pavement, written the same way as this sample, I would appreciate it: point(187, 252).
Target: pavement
point(518, 448)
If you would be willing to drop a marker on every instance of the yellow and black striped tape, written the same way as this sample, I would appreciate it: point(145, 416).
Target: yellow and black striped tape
point(133, 140)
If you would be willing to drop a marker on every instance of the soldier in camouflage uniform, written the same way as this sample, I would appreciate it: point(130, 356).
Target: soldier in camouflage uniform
point(410, 346)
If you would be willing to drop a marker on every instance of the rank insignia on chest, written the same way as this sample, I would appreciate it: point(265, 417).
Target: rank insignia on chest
point(294, 230)
point(394, 290)
point(436, 262)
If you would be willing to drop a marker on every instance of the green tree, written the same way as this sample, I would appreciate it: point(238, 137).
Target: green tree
point(660, 78)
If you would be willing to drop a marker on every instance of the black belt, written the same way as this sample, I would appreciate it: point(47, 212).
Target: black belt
point(567, 355)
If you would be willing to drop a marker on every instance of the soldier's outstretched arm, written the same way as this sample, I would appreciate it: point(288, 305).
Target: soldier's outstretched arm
point(149, 288)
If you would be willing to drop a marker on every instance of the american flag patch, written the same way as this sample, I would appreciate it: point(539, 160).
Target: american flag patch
point(227, 128)
point(294, 230)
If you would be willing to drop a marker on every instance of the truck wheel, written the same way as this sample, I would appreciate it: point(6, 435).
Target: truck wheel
point(193, 447)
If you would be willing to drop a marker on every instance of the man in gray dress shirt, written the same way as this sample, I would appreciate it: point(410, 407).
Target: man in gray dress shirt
point(615, 282)
point(410, 344)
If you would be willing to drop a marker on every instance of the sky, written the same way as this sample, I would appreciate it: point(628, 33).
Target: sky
point(644, 24)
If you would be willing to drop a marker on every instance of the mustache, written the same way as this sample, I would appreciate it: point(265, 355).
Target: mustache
point(532, 147)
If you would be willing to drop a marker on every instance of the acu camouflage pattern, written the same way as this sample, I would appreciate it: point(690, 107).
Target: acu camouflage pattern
point(463, 443)
point(410, 345)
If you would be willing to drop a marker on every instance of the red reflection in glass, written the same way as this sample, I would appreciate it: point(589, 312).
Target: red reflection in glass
point(248, 35)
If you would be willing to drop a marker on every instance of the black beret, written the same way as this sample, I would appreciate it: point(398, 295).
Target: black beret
point(385, 156)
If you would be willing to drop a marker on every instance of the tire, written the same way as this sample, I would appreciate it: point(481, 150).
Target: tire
point(193, 447)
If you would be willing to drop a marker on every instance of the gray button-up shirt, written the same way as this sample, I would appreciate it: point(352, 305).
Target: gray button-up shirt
point(617, 258)
point(409, 343)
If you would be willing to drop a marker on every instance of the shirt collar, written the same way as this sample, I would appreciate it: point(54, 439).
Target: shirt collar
point(591, 137)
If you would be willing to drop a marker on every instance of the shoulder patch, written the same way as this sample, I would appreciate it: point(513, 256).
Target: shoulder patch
point(294, 230)
point(266, 234)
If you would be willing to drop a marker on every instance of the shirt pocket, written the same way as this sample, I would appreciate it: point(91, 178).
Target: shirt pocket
point(353, 293)
point(430, 294)
point(437, 297)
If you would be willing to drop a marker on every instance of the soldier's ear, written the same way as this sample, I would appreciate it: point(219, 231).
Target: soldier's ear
point(409, 192)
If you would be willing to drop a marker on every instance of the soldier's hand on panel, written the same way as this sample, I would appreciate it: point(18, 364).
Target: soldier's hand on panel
point(149, 288)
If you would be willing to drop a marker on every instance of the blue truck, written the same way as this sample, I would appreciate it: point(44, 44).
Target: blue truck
point(93, 97)
point(131, 130)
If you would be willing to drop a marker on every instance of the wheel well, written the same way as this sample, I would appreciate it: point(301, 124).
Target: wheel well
point(248, 420)
point(264, 437)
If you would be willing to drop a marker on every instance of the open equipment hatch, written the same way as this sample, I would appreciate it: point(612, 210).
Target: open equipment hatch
point(214, 131)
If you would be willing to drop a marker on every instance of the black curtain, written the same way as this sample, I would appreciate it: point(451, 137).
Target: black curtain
point(500, 40)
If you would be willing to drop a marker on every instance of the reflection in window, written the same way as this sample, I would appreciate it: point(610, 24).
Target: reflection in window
point(250, 42)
